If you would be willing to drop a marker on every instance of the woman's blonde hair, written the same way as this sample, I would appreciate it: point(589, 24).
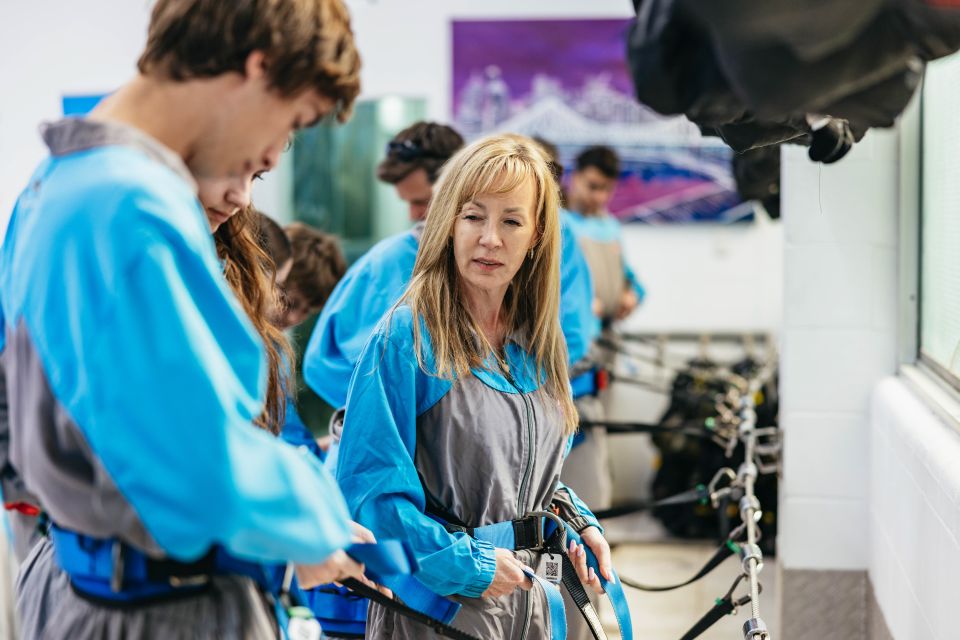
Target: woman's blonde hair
point(493, 165)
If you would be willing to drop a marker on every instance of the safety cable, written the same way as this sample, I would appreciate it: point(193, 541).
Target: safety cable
point(723, 606)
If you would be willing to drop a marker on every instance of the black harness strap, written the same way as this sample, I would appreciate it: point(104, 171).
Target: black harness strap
point(643, 427)
point(723, 552)
point(698, 494)
point(395, 605)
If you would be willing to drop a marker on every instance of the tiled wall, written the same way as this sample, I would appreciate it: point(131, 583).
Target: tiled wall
point(840, 273)
point(839, 340)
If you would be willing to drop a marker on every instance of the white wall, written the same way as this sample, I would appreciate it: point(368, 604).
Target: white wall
point(839, 339)
point(50, 48)
point(914, 514)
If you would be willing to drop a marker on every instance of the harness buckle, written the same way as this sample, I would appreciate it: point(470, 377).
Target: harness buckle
point(548, 515)
point(116, 557)
point(188, 581)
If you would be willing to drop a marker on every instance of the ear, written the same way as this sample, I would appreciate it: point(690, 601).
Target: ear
point(255, 66)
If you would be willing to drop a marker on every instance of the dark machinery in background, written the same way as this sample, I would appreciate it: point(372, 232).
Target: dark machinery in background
point(704, 396)
point(818, 73)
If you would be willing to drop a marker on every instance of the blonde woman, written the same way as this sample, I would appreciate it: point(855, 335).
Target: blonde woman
point(459, 413)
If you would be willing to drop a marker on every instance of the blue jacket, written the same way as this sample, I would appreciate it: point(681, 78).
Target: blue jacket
point(465, 442)
point(604, 228)
point(137, 375)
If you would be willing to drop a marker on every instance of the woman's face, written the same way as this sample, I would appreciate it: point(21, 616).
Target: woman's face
point(223, 198)
point(492, 236)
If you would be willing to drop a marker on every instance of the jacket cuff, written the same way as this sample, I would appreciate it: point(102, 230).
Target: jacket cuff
point(487, 565)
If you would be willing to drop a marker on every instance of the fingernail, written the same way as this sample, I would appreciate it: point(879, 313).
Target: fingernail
point(573, 547)
point(592, 575)
point(581, 551)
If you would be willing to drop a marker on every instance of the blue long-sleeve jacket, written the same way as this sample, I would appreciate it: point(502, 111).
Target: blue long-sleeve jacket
point(486, 447)
point(133, 375)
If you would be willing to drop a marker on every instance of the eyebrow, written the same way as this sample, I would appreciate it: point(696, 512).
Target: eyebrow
point(515, 210)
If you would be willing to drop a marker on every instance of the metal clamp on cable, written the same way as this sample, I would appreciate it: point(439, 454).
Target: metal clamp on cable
point(755, 629)
point(750, 552)
point(747, 470)
point(750, 508)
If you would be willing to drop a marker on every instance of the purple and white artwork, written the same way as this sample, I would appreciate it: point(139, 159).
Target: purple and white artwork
point(567, 82)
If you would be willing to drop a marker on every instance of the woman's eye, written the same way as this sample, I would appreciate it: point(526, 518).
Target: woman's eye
point(515, 223)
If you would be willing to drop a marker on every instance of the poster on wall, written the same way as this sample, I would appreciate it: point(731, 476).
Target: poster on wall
point(567, 81)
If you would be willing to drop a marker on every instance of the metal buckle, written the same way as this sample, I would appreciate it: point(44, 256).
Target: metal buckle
point(188, 581)
point(116, 557)
point(561, 525)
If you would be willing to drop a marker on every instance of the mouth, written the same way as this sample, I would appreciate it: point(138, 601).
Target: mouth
point(218, 216)
point(487, 264)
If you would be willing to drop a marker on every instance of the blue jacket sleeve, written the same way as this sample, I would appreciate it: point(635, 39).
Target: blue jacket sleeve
point(377, 474)
point(333, 348)
point(634, 282)
point(580, 326)
point(168, 387)
point(348, 318)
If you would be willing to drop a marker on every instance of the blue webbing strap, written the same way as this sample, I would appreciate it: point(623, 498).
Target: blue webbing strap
point(613, 589)
point(558, 613)
point(90, 563)
point(502, 535)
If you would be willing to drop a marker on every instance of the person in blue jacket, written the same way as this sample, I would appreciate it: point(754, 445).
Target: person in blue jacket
point(592, 183)
point(133, 378)
point(377, 280)
point(414, 159)
point(617, 292)
point(459, 412)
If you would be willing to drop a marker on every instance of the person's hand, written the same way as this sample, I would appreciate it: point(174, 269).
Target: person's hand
point(508, 577)
point(338, 566)
point(592, 537)
point(597, 307)
point(360, 533)
point(628, 302)
point(324, 442)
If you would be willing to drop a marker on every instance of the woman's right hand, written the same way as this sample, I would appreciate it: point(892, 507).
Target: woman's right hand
point(509, 576)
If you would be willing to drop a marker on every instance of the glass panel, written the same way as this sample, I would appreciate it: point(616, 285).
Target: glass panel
point(940, 207)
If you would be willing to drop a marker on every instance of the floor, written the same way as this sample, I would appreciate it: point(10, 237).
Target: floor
point(668, 615)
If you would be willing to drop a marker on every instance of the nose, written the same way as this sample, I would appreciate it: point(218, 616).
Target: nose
point(239, 193)
point(489, 238)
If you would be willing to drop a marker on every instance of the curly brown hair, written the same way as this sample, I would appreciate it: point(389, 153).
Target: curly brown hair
point(318, 263)
point(250, 273)
point(308, 44)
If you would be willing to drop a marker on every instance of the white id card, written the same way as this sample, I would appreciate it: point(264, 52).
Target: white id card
point(551, 567)
point(303, 629)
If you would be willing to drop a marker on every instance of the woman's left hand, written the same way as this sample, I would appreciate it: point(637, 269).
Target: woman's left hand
point(592, 537)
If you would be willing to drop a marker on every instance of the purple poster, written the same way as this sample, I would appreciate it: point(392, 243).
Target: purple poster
point(567, 81)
